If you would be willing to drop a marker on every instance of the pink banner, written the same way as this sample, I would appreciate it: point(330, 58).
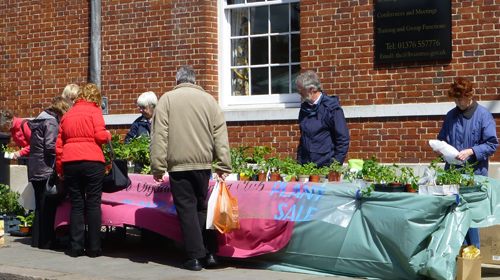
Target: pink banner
point(267, 211)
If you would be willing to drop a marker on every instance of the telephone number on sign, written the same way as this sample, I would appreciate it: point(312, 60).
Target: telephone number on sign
point(412, 44)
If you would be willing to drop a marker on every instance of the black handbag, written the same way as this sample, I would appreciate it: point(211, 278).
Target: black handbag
point(54, 187)
point(115, 173)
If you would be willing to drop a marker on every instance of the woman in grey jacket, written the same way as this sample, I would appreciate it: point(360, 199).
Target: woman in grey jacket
point(44, 130)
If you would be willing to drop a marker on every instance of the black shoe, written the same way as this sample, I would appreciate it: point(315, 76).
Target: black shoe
point(94, 254)
point(193, 264)
point(211, 260)
point(77, 253)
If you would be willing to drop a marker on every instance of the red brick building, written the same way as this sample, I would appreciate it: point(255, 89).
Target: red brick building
point(392, 109)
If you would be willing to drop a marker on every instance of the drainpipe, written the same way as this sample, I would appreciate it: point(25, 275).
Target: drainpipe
point(95, 49)
point(95, 42)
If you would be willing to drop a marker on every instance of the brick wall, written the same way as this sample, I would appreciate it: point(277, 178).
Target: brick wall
point(45, 46)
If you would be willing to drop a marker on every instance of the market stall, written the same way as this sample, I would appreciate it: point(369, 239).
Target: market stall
point(330, 228)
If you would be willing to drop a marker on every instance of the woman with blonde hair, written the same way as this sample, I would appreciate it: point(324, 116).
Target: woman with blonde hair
point(71, 92)
point(44, 130)
point(80, 162)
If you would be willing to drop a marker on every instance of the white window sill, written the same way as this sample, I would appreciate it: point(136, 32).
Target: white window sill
point(399, 110)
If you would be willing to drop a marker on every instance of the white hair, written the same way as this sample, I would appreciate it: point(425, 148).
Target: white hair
point(147, 99)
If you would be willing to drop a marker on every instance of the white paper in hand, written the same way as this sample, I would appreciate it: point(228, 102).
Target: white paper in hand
point(448, 151)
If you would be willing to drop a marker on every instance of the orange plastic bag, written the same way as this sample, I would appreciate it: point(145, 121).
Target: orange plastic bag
point(226, 217)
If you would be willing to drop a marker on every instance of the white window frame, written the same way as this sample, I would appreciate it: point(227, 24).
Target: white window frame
point(226, 100)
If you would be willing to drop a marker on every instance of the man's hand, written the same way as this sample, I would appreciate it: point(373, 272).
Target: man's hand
point(158, 179)
point(464, 154)
point(220, 176)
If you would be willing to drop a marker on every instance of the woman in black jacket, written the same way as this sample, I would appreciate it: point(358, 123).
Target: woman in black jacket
point(44, 130)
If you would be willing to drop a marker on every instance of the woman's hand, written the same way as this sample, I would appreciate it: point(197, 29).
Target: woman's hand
point(438, 153)
point(16, 155)
point(464, 154)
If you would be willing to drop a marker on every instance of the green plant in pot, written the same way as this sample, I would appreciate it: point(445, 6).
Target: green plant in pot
point(305, 171)
point(26, 221)
point(274, 165)
point(247, 173)
point(8, 201)
point(370, 169)
point(468, 171)
point(451, 176)
point(290, 169)
point(239, 157)
point(334, 171)
point(409, 179)
point(138, 149)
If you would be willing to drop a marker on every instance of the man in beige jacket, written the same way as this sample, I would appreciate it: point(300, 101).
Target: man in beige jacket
point(188, 132)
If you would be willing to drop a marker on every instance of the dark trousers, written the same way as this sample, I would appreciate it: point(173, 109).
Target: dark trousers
point(189, 191)
point(42, 233)
point(83, 179)
point(472, 237)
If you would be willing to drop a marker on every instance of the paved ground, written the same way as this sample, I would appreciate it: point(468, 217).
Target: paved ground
point(129, 257)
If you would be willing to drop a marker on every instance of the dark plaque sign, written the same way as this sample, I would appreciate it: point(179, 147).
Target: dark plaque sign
point(411, 30)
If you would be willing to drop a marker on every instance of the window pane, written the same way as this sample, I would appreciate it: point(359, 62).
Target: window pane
point(295, 17)
point(279, 49)
point(260, 81)
point(230, 2)
point(239, 52)
point(280, 80)
point(239, 81)
point(258, 20)
point(295, 48)
point(295, 74)
point(239, 22)
point(279, 18)
point(250, 1)
point(259, 50)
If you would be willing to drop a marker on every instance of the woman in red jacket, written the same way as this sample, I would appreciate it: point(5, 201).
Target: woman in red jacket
point(80, 162)
point(19, 129)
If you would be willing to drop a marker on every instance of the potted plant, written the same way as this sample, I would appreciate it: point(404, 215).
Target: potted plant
point(8, 202)
point(10, 208)
point(409, 179)
point(138, 148)
point(370, 169)
point(239, 156)
point(305, 171)
point(247, 174)
point(322, 173)
point(274, 165)
point(334, 171)
point(289, 170)
point(26, 222)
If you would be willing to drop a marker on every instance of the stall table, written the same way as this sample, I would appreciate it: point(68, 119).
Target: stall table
point(323, 227)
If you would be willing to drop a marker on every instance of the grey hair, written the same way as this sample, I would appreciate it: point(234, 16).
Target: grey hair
point(147, 99)
point(185, 75)
point(309, 80)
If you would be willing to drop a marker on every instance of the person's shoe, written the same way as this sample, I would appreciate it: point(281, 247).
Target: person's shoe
point(193, 264)
point(77, 253)
point(94, 254)
point(211, 260)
